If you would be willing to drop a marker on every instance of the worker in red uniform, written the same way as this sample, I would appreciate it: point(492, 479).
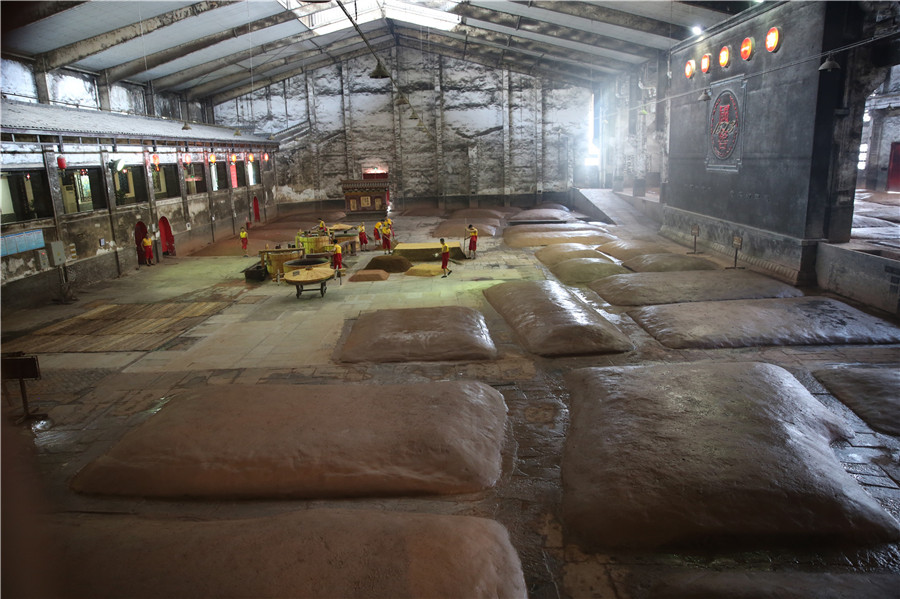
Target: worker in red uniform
point(244, 238)
point(337, 257)
point(445, 259)
point(386, 234)
point(147, 243)
point(472, 233)
point(363, 238)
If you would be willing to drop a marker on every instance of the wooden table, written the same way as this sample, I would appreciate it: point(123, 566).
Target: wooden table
point(310, 275)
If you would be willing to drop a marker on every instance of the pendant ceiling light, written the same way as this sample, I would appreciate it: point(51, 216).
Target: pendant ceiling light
point(380, 72)
point(830, 64)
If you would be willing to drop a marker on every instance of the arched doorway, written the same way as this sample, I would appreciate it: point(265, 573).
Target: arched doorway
point(140, 230)
point(166, 239)
point(255, 209)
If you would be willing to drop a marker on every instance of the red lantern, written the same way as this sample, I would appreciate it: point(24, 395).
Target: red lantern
point(61, 162)
point(773, 39)
point(705, 61)
point(747, 48)
point(233, 158)
point(689, 68)
point(212, 158)
point(265, 157)
point(724, 56)
point(186, 158)
point(250, 157)
point(156, 162)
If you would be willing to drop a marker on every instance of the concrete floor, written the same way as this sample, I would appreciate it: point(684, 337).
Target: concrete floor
point(267, 335)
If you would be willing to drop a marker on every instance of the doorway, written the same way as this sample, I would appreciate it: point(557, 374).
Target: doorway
point(893, 178)
point(140, 230)
point(166, 239)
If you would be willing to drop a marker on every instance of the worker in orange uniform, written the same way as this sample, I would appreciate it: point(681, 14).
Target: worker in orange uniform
point(147, 243)
point(337, 257)
point(244, 238)
point(445, 259)
point(363, 238)
point(472, 233)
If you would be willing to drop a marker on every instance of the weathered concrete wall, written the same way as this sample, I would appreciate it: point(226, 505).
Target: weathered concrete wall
point(764, 183)
point(479, 132)
point(127, 98)
point(771, 158)
point(17, 80)
point(865, 277)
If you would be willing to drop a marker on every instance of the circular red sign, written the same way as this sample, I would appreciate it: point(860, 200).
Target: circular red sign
point(724, 125)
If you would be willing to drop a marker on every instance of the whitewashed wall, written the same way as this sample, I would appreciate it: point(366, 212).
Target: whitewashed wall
point(480, 131)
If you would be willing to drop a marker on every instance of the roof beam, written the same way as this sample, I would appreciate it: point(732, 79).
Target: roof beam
point(151, 61)
point(168, 82)
point(497, 55)
point(74, 52)
point(595, 18)
point(495, 58)
point(246, 89)
point(508, 44)
point(553, 34)
point(222, 83)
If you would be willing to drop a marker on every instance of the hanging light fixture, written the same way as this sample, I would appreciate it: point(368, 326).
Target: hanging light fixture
point(401, 101)
point(830, 64)
point(413, 116)
point(186, 126)
point(379, 72)
point(705, 96)
point(237, 132)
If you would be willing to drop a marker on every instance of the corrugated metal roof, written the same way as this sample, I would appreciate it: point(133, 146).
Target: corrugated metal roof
point(33, 117)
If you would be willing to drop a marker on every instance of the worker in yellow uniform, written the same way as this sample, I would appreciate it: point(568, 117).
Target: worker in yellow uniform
point(337, 257)
point(363, 238)
point(377, 232)
point(147, 244)
point(244, 239)
point(445, 259)
point(472, 233)
point(322, 228)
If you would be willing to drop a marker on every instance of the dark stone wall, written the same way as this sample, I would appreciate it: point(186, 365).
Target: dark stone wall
point(765, 182)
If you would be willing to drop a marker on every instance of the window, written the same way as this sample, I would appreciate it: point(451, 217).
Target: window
point(24, 196)
point(863, 156)
point(253, 173)
point(130, 186)
point(218, 176)
point(238, 174)
point(165, 181)
point(193, 179)
point(82, 189)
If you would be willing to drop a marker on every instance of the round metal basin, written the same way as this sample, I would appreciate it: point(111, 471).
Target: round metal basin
point(304, 262)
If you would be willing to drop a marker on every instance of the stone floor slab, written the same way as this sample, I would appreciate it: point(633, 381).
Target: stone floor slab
point(272, 441)
point(807, 320)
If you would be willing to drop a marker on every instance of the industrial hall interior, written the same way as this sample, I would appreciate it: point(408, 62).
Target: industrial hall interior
point(450, 299)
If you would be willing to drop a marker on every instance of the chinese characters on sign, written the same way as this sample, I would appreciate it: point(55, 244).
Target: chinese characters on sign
point(723, 130)
point(724, 125)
